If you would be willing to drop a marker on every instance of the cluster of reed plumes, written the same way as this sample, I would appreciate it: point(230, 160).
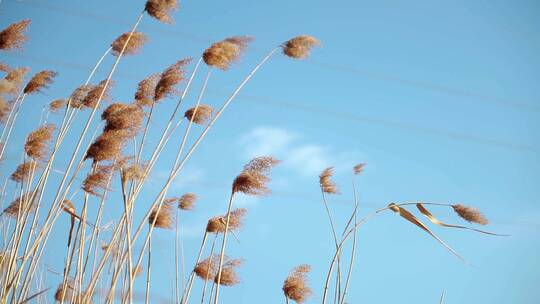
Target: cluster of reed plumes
point(102, 261)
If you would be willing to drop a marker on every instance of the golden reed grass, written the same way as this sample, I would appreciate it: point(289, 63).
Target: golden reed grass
point(226, 52)
point(39, 81)
point(12, 37)
point(38, 140)
point(131, 46)
point(295, 286)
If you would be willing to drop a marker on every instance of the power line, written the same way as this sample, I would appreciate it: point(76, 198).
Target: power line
point(354, 70)
point(303, 107)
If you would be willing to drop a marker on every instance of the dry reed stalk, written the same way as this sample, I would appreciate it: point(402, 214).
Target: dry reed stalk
point(295, 286)
point(185, 202)
point(187, 291)
point(212, 248)
point(12, 37)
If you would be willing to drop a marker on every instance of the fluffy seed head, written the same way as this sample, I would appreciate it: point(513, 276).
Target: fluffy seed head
point(4, 67)
point(6, 87)
point(16, 77)
point(161, 9)
point(108, 146)
point(326, 183)
point(133, 172)
point(37, 141)
point(92, 97)
point(236, 221)
point(57, 105)
point(120, 116)
point(229, 277)
point(296, 286)
point(472, 215)
point(187, 201)
point(79, 94)
point(23, 171)
point(39, 81)
point(98, 180)
point(207, 268)
point(146, 89)
point(199, 114)
point(225, 52)
point(136, 41)
point(65, 292)
point(253, 180)
point(5, 108)
point(359, 168)
point(299, 47)
point(169, 78)
point(20, 204)
point(164, 218)
point(12, 37)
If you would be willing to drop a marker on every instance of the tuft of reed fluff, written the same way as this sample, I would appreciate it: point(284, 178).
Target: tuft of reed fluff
point(295, 286)
point(66, 292)
point(5, 108)
point(187, 201)
point(136, 41)
point(108, 146)
point(97, 181)
point(164, 218)
point(37, 141)
point(39, 81)
point(229, 276)
point(19, 204)
point(173, 75)
point(300, 47)
point(22, 173)
point(200, 114)
point(253, 180)
point(16, 77)
point(144, 96)
point(236, 221)
point(4, 67)
point(132, 172)
point(6, 87)
point(57, 104)
point(161, 9)
point(92, 96)
point(120, 116)
point(12, 37)
point(472, 215)
point(225, 52)
point(359, 168)
point(326, 183)
point(207, 268)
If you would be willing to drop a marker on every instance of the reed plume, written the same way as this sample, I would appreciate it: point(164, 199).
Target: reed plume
point(169, 78)
point(326, 183)
point(471, 215)
point(229, 276)
point(200, 114)
point(37, 141)
point(4, 67)
point(39, 81)
point(164, 217)
point(5, 108)
point(97, 180)
point(144, 96)
point(57, 104)
point(300, 47)
point(236, 221)
point(359, 168)
point(23, 171)
point(207, 268)
point(66, 292)
point(12, 37)
point(295, 286)
point(6, 87)
point(108, 146)
point(136, 41)
point(19, 204)
point(225, 52)
point(253, 180)
point(187, 201)
point(92, 96)
point(133, 172)
point(16, 77)
point(161, 9)
point(127, 117)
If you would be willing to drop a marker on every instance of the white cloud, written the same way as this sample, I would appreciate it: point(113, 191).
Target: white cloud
point(266, 141)
point(309, 160)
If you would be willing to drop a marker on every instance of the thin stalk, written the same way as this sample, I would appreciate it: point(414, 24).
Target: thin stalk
point(353, 250)
point(209, 268)
point(333, 228)
point(148, 270)
point(223, 245)
point(185, 295)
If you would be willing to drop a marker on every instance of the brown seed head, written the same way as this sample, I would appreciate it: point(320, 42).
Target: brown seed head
point(66, 292)
point(236, 221)
point(92, 97)
point(120, 116)
point(207, 268)
point(146, 89)
point(37, 141)
point(253, 180)
point(223, 53)
point(57, 105)
point(229, 277)
point(164, 218)
point(187, 201)
point(199, 114)
point(108, 146)
point(22, 173)
point(136, 41)
point(12, 37)
point(20, 204)
point(98, 180)
point(299, 47)
point(359, 168)
point(161, 9)
point(16, 77)
point(4, 67)
point(296, 286)
point(5, 108)
point(169, 78)
point(133, 172)
point(78, 95)
point(39, 81)
point(326, 183)
point(6, 87)
point(472, 215)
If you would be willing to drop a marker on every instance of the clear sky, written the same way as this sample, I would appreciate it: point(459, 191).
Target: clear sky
point(439, 98)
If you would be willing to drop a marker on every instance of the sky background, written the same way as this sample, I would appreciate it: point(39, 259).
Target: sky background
point(439, 98)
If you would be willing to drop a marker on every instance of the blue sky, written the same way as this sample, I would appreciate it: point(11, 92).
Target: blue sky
point(439, 98)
